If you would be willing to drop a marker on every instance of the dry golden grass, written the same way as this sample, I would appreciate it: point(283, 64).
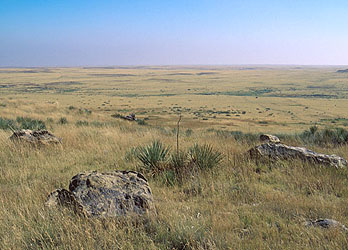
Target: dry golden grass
point(238, 205)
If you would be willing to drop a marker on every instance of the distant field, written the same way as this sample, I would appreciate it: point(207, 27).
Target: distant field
point(242, 98)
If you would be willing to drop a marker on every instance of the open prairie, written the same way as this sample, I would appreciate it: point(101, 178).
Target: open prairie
point(250, 99)
point(233, 203)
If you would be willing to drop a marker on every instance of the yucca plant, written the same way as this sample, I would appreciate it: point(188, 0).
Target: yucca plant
point(153, 156)
point(205, 157)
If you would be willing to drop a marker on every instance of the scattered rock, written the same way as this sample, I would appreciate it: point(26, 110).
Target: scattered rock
point(278, 151)
point(326, 223)
point(130, 117)
point(37, 137)
point(106, 194)
point(266, 138)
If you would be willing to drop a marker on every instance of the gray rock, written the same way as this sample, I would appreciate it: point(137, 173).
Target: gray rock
point(37, 137)
point(283, 152)
point(326, 223)
point(106, 194)
point(267, 138)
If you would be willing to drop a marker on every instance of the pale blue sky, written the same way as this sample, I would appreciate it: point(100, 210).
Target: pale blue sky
point(154, 32)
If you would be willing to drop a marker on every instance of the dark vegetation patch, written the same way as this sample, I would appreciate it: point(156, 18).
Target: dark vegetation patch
point(112, 75)
point(63, 83)
point(99, 67)
point(250, 92)
point(321, 86)
point(206, 73)
point(7, 85)
point(247, 68)
point(28, 71)
point(21, 123)
point(180, 74)
point(163, 79)
point(342, 71)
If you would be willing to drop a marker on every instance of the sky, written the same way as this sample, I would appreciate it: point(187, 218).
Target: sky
point(176, 32)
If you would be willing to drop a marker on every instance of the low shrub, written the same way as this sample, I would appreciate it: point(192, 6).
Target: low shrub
point(82, 123)
point(28, 123)
point(7, 123)
point(62, 121)
point(324, 137)
point(204, 156)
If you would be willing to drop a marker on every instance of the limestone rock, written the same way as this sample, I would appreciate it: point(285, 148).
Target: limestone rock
point(327, 223)
point(106, 194)
point(37, 137)
point(266, 138)
point(283, 152)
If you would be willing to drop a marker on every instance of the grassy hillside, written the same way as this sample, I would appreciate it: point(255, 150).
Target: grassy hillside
point(237, 204)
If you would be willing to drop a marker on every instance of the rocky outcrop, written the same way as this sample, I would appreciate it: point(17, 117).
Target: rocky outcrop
point(326, 223)
point(278, 151)
point(110, 194)
point(37, 137)
point(266, 138)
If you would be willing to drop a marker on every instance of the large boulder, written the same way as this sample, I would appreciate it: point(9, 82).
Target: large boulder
point(37, 137)
point(106, 194)
point(278, 151)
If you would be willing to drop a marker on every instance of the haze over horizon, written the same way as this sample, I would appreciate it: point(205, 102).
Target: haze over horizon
point(206, 32)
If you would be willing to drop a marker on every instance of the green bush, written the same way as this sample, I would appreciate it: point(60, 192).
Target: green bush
point(7, 123)
point(62, 120)
point(204, 157)
point(324, 137)
point(153, 156)
point(28, 123)
point(22, 123)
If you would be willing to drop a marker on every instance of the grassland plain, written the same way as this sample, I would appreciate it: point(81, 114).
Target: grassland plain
point(240, 204)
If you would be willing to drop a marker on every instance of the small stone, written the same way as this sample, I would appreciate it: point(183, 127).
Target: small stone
point(266, 138)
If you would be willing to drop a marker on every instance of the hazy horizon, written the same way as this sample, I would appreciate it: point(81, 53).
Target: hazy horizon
point(179, 33)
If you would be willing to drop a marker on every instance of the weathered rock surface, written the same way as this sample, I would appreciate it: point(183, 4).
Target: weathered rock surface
point(327, 223)
point(266, 138)
point(37, 137)
point(278, 151)
point(106, 194)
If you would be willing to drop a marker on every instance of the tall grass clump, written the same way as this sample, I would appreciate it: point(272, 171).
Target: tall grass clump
point(6, 123)
point(204, 156)
point(22, 123)
point(62, 120)
point(28, 123)
point(324, 137)
point(153, 156)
